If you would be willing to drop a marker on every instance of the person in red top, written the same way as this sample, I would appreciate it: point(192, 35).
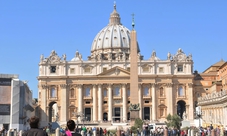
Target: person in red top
point(182, 133)
point(104, 131)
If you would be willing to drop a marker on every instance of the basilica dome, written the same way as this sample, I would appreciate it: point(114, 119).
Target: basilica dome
point(113, 41)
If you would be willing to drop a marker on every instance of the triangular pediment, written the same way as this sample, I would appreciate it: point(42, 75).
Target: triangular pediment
point(115, 71)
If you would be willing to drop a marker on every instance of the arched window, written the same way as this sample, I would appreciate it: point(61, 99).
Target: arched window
point(53, 93)
point(87, 92)
point(117, 91)
point(161, 92)
point(72, 93)
point(146, 91)
point(180, 91)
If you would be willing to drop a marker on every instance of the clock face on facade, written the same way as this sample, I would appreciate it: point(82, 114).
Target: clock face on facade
point(180, 57)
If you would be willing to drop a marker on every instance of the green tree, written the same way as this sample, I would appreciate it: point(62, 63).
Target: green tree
point(173, 121)
point(138, 124)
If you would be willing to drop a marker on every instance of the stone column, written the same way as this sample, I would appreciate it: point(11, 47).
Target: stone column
point(191, 103)
point(150, 113)
point(140, 101)
point(64, 107)
point(100, 118)
point(169, 95)
point(153, 102)
point(110, 102)
point(124, 102)
point(44, 119)
point(80, 100)
point(94, 104)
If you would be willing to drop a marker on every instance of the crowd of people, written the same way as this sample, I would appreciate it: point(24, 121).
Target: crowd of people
point(73, 130)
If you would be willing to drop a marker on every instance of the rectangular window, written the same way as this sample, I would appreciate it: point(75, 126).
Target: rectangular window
point(105, 93)
point(146, 91)
point(88, 92)
point(180, 68)
point(146, 101)
point(87, 102)
point(104, 69)
point(145, 69)
point(117, 91)
point(128, 93)
point(72, 70)
point(87, 70)
point(128, 102)
point(161, 70)
point(104, 102)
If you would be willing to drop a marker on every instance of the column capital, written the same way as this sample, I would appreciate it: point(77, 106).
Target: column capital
point(169, 85)
point(63, 86)
point(123, 84)
point(190, 85)
point(94, 85)
point(79, 85)
point(109, 84)
point(44, 86)
point(153, 84)
point(99, 85)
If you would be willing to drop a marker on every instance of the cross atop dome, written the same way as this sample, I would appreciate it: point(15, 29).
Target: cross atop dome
point(115, 17)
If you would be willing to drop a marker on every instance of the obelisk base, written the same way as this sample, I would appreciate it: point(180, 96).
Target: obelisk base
point(134, 114)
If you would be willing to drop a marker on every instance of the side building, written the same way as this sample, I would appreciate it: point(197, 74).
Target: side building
point(213, 100)
point(15, 102)
point(98, 89)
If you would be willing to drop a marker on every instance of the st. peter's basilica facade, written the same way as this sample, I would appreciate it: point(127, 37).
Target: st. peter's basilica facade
point(99, 88)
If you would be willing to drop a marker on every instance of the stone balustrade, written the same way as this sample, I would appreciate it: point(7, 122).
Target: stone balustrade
point(213, 97)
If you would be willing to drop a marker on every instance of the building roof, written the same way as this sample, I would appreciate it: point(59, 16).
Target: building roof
point(214, 67)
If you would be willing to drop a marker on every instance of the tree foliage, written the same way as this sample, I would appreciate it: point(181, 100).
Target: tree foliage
point(138, 124)
point(173, 121)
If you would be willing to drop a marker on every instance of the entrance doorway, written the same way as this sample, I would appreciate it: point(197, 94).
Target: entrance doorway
point(146, 114)
point(53, 112)
point(128, 116)
point(117, 113)
point(181, 108)
point(87, 114)
point(105, 116)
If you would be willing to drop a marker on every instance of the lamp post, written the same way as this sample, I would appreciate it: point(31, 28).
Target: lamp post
point(199, 116)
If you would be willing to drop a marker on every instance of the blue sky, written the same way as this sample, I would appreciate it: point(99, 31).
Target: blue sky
point(31, 28)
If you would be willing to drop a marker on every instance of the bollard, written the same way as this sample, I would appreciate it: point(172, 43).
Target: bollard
point(8, 133)
point(189, 132)
point(132, 134)
point(82, 133)
point(57, 132)
point(94, 133)
point(192, 132)
point(15, 132)
point(20, 133)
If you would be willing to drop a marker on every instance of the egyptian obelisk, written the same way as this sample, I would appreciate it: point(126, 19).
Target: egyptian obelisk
point(134, 99)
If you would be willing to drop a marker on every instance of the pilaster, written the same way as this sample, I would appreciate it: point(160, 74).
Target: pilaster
point(94, 103)
point(140, 101)
point(100, 114)
point(110, 102)
point(124, 102)
point(64, 110)
point(191, 103)
point(170, 98)
point(154, 109)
